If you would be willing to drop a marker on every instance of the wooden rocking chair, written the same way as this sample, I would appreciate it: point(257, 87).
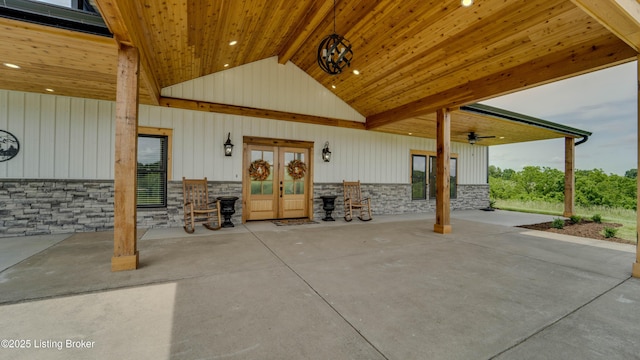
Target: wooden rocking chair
point(197, 208)
point(353, 200)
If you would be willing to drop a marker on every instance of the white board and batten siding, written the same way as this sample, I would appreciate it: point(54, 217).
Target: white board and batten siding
point(60, 137)
point(265, 84)
point(72, 138)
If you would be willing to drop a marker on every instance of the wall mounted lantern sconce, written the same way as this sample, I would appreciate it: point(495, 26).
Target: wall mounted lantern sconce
point(228, 146)
point(326, 154)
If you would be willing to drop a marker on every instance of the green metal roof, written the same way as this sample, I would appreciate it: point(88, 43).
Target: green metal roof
point(524, 119)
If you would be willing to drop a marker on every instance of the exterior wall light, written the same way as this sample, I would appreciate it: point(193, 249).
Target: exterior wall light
point(228, 146)
point(326, 154)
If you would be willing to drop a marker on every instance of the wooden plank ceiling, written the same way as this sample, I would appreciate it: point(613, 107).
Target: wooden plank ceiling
point(414, 56)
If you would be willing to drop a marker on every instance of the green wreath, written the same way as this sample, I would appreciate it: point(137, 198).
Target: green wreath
point(296, 169)
point(259, 170)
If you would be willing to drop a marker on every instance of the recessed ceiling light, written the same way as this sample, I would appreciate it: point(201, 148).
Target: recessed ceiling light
point(13, 66)
point(49, 90)
point(356, 72)
point(466, 3)
point(501, 137)
point(233, 42)
point(333, 86)
point(410, 133)
point(226, 65)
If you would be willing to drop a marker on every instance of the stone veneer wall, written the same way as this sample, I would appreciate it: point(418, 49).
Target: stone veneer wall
point(37, 207)
point(393, 199)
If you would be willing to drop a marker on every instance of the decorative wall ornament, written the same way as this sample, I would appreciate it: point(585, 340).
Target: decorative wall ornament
point(9, 146)
point(296, 169)
point(259, 170)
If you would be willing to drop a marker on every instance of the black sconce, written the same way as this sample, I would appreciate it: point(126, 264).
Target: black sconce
point(228, 146)
point(326, 154)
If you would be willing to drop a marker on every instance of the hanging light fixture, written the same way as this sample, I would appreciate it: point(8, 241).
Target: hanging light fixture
point(334, 52)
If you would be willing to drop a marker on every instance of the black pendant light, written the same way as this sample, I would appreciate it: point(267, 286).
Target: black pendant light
point(334, 52)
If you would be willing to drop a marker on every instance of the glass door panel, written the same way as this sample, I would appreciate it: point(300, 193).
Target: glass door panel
point(293, 201)
point(262, 198)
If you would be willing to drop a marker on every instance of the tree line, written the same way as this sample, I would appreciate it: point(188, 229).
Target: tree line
point(592, 187)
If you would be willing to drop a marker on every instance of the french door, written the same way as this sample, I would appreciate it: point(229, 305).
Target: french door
point(277, 179)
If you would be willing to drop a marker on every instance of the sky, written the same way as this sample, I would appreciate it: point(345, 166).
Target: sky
point(602, 102)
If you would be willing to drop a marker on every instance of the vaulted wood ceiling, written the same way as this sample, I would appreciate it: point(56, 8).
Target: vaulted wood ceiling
point(414, 56)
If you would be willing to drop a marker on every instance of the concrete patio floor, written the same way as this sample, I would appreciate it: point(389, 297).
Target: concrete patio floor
point(385, 289)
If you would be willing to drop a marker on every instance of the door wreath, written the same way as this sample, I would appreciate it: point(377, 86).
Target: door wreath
point(259, 170)
point(296, 169)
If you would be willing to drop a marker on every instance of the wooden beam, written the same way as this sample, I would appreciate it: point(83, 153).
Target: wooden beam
point(569, 176)
point(443, 180)
point(635, 270)
point(621, 17)
point(318, 11)
point(122, 19)
point(583, 58)
point(258, 113)
point(125, 252)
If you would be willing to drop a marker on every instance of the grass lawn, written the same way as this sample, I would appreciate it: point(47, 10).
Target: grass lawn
point(614, 215)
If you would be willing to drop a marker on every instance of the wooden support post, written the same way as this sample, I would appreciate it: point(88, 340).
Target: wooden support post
point(443, 160)
point(125, 252)
point(569, 176)
point(635, 271)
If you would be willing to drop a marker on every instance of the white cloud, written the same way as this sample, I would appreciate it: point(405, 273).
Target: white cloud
point(602, 102)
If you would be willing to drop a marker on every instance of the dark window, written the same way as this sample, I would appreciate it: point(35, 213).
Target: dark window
point(152, 171)
point(453, 171)
point(418, 177)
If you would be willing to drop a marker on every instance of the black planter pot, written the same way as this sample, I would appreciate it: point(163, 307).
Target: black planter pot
point(328, 205)
point(227, 208)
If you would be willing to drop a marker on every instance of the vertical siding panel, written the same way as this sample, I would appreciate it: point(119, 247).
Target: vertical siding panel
point(178, 141)
point(164, 115)
point(216, 83)
point(208, 150)
point(187, 143)
point(250, 85)
point(143, 116)
point(198, 140)
point(76, 134)
point(187, 90)
point(31, 144)
point(223, 165)
point(47, 133)
point(90, 155)
point(112, 136)
point(198, 89)
point(105, 145)
point(15, 125)
point(62, 150)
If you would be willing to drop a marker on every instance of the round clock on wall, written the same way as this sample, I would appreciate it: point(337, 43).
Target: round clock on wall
point(9, 146)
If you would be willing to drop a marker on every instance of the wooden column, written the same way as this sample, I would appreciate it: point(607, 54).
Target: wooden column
point(636, 266)
point(569, 176)
point(443, 161)
point(125, 252)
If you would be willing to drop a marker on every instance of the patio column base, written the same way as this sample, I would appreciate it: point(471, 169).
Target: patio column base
point(635, 271)
point(122, 263)
point(442, 229)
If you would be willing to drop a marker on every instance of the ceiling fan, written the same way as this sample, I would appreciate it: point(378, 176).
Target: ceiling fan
point(473, 137)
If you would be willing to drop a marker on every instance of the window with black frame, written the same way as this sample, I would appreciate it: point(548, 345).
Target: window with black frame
point(453, 177)
point(152, 171)
point(418, 177)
